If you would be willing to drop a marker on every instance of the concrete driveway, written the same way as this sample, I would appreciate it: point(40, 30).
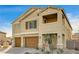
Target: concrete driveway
point(14, 50)
point(23, 51)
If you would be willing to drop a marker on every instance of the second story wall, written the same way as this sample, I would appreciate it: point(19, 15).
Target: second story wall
point(54, 26)
point(20, 26)
point(33, 19)
point(47, 21)
point(67, 27)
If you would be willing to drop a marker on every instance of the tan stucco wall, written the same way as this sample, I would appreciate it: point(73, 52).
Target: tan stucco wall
point(55, 27)
point(33, 16)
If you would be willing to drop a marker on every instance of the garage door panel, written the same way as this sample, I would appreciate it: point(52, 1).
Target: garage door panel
point(17, 42)
point(31, 42)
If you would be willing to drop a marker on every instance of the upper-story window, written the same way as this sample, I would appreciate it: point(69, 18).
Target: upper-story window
point(50, 18)
point(31, 24)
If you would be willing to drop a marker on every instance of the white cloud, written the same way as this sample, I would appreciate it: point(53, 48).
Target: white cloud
point(74, 20)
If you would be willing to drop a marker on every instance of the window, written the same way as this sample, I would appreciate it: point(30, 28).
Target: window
point(31, 24)
point(50, 18)
point(34, 24)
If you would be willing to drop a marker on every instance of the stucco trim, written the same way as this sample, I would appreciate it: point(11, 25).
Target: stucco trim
point(48, 8)
point(26, 33)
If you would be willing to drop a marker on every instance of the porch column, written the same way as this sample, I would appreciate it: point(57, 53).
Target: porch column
point(40, 41)
point(59, 41)
point(13, 42)
point(22, 43)
point(64, 42)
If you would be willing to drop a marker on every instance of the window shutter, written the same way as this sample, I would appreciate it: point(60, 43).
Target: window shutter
point(26, 25)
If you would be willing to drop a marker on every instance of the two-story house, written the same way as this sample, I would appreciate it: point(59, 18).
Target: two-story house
point(40, 25)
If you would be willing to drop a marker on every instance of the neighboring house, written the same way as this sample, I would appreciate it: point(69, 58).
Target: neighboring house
point(74, 42)
point(75, 36)
point(3, 39)
point(38, 26)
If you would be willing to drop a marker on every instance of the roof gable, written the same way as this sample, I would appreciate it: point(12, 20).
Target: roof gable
point(49, 8)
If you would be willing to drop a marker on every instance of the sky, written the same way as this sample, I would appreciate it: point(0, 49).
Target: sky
point(9, 13)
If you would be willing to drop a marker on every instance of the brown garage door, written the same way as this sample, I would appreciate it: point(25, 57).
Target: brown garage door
point(31, 42)
point(17, 42)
